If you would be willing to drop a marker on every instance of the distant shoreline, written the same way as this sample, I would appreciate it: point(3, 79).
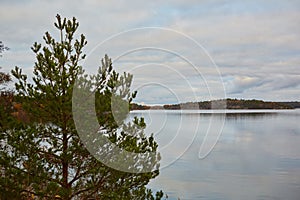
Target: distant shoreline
point(231, 104)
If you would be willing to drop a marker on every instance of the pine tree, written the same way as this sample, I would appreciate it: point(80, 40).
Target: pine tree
point(2, 48)
point(43, 156)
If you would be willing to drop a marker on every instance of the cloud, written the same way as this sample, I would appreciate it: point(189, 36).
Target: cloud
point(269, 87)
point(281, 82)
point(241, 84)
point(253, 43)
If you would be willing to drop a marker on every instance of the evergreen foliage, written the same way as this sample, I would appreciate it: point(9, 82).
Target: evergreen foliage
point(42, 155)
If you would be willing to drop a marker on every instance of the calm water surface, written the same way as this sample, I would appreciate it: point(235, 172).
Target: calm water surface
point(257, 154)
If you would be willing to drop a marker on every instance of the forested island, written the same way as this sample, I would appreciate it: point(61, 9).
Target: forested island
point(224, 103)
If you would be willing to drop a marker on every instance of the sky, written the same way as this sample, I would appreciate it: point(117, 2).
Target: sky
point(177, 51)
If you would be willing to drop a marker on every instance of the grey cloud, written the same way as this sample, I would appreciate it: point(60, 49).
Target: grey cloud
point(269, 87)
point(282, 82)
point(241, 84)
point(246, 43)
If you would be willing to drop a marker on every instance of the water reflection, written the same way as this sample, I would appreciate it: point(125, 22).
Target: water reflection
point(257, 155)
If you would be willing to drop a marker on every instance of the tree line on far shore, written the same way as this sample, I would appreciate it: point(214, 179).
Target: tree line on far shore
point(223, 104)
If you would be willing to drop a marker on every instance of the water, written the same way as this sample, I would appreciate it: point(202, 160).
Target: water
point(257, 154)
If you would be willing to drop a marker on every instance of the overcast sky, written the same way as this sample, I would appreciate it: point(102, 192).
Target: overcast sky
point(178, 51)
